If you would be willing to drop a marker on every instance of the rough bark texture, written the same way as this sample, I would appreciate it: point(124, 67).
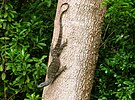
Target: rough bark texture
point(82, 28)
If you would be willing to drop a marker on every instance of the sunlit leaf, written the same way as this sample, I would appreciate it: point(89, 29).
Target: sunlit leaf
point(3, 76)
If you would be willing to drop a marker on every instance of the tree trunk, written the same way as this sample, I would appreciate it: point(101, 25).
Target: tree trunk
point(82, 28)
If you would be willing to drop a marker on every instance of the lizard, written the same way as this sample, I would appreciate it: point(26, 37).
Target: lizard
point(54, 69)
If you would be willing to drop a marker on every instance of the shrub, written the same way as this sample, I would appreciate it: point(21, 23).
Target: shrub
point(115, 78)
point(24, 46)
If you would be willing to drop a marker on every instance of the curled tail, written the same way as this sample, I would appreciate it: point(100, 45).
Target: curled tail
point(43, 84)
point(60, 23)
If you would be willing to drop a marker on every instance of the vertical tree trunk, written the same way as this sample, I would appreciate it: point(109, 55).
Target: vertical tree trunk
point(82, 28)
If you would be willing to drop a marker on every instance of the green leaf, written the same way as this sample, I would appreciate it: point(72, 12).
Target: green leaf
point(0, 26)
point(1, 68)
point(4, 25)
point(4, 38)
point(127, 82)
point(43, 57)
point(23, 31)
point(48, 3)
point(27, 56)
point(14, 12)
point(42, 44)
point(3, 76)
point(5, 15)
point(23, 51)
point(28, 79)
point(6, 7)
point(2, 20)
point(24, 73)
point(9, 19)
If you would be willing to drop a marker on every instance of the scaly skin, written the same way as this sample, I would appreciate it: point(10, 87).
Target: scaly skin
point(54, 69)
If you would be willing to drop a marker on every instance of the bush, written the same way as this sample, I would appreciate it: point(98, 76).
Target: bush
point(115, 78)
point(24, 46)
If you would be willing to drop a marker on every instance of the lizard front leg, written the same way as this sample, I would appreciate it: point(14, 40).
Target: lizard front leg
point(61, 70)
point(62, 47)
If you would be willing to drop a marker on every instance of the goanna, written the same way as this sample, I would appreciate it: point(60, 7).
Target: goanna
point(54, 69)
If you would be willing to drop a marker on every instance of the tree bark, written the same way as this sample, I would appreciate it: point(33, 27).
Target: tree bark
point(82, 28)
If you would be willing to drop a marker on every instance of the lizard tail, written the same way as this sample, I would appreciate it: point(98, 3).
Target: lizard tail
point(60, 23)
point(43, 84)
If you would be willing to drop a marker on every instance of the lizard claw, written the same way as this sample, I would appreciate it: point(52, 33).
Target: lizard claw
point(64, 68)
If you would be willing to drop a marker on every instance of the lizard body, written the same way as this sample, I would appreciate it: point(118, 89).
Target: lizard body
point(54, 69)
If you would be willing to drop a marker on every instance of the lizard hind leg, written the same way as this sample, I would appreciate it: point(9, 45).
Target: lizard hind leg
point(46, 83)
point(60, 71)
point(49, 81)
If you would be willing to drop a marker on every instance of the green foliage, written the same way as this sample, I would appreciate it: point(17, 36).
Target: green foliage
point(32, 97)
point(115, 78)
point(24, 45)
point(25, 35)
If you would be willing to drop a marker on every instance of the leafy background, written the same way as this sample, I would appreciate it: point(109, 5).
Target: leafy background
point(25, 35)
point(115, 77)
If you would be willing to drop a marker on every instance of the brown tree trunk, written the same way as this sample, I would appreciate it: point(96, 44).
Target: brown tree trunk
point(82, 28)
